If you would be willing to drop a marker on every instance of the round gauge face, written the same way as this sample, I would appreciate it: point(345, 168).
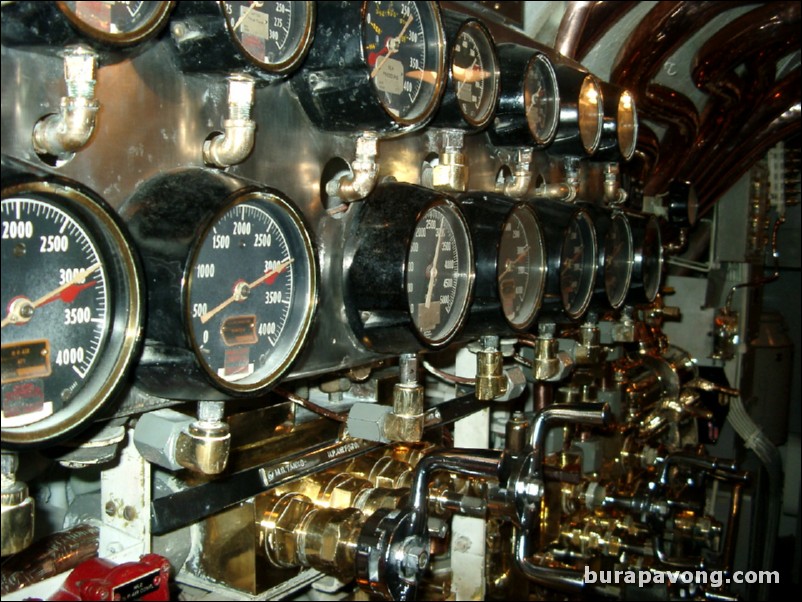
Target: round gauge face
point(578, 264)
point(627, 125)
point(439, 273)
point(69, 323)
point(521, 267)
point(591, 114)
point(652, 259)
point(118, 23)
point(273, 35)
point(252, 291)
point(618, 260)
point(474, 70)
point(541, 99)
point(403, 46)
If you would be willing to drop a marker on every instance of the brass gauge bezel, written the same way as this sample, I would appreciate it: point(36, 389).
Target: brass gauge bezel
point(624, 258)
point(590, 114)
point(125, 307)
point(627, 124)
point(144, 31)
point(293, 58)
point(540, 67)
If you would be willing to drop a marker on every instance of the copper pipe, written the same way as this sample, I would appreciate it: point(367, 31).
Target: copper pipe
point(776, 116)
point(728, 551)
point(603, 17)
point(572, 27)
point(758, 38)
point(666, 106)
point(661, 32)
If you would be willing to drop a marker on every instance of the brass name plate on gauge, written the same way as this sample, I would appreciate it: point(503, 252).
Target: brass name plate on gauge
point(25, 361)
point(239, 330)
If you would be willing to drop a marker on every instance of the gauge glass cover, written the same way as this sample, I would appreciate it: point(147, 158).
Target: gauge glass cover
point(439, 273)
point(251, 292)
point(117, 22)
point(591, 114)
point(618, 260)
point(578, 264)
point(541, 99)
point(273, 35)
point(403, 46)
point(475, 73)
point(627, 125)
point(652, 259)
point(521, 267)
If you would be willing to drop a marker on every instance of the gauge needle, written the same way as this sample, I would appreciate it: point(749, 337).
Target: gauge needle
point(463, 75)
point(511, 263)
point(21, 309)
point(433, 271)
point(392, 48)
point(243, 289)
point(244, 16)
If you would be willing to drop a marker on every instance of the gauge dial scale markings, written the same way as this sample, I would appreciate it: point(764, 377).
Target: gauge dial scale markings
point(578, 264)
point(541, 99)
point(118, 23)
point(251, 293)
point(273, 35)
point(618, 260)
point(474, 70)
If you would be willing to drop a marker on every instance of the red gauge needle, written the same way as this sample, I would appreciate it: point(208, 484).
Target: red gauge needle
point(242, 289)
point(21, 309)
point(511, 262)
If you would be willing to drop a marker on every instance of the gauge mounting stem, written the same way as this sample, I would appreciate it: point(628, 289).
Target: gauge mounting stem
point(236, 142)
point(68, 131)
point(517, 184)
point(356, 184)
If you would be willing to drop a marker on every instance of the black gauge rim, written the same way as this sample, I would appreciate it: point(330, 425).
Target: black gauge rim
point(618, 301)
point(487, 39)
point(145, 31)
point(425, 113)
point(542, 270)
point(576, 310)
point(270, 197)
point(122, 342)
point(459, 323)
point(627, 150)
point(599, 118)
point(539, 59)
point(295, 58)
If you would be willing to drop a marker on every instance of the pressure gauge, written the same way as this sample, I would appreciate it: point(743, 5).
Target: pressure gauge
point(409, 269)
point(529, 100)
point(647, 269)
point(275, 36)
point(581, 113)
point(572, 249)
point(578, 264)
point(475, 73)
point(511, 264)
point(379, 66)
point(620, 126)
point(541, 99)
point(235, 290)
point(72, 310)
point(619, 259)
point(117, 23)
point(439, 269)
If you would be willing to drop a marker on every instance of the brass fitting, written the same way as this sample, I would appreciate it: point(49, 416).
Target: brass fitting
point(517, 433)
point(405, 423)
point(451, 171)
point(204, 445)
point(490, 379)
point(236, 142)
point(16, 508)
point(589, 350)
point(517, 185)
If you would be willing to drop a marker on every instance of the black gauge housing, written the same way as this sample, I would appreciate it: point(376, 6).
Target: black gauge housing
point(647, 272)
point(206, 40)
point(572, 248)
point(527, 86)
point(106, 26)
point(376, 269)
point(348, 83)
point(502, 266)
point(73, 308)
point(190, 209)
